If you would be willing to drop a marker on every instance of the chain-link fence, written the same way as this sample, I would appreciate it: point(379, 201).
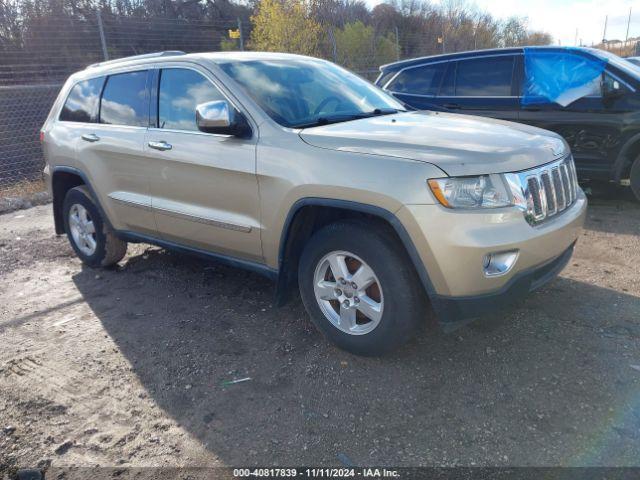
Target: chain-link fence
point(33, 70)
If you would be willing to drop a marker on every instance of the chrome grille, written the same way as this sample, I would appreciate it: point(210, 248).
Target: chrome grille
point(545, 191)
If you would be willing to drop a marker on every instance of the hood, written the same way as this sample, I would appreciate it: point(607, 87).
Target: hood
point(457, 144)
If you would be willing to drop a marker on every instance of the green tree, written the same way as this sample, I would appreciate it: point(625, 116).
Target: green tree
point(229, 45)
point(285, 26)
point(358, 48)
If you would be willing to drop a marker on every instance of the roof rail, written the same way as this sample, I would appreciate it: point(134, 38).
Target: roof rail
point(167, 53)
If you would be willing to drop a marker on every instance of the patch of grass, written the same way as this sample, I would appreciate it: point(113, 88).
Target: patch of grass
point(24, 188)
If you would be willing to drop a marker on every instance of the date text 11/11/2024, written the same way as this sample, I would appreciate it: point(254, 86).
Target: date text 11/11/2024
point(316, 472)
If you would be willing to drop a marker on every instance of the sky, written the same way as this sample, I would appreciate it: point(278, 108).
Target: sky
point(561, 18)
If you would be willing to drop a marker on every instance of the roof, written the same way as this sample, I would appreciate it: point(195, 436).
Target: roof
point(471, 53)
point(103, 68)
point(220, 57)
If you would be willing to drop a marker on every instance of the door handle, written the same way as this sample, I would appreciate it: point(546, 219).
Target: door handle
point(451, 106)
point(162, 145)
point(90, 137)
point(531, 109)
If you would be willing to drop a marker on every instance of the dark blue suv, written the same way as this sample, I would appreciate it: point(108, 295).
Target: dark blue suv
point(590, 97)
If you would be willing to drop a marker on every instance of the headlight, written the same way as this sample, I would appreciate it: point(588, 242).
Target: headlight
point(485, 191)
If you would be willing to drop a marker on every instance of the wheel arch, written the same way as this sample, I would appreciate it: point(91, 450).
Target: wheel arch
point(307, 215)
point(629, 152)
point(63, 179)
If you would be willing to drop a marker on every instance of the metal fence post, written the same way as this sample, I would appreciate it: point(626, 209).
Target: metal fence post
point(103, 41)
point(241, 34)
point(334, 47)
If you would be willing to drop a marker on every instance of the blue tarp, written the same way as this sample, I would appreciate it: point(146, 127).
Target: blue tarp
point(560, 76)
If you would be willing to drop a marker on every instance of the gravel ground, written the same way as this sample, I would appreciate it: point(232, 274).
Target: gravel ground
point(127, 367)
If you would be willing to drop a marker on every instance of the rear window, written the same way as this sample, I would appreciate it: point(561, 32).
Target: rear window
point(124, 101)
point(82, 102)
point(423, 80)
point(485, 77)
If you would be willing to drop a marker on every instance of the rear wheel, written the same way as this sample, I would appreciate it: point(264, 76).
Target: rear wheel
point(91, 238)
point(359, 288)
point(635, 178)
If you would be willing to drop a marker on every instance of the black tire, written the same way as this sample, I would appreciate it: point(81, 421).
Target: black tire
point(635, 178)
point(109, 249)
point(404, 300)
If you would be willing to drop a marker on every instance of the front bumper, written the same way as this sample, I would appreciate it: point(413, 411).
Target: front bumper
point(452, 244)
point(451, 310)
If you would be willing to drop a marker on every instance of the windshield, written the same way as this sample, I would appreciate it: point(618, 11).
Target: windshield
point(305, 92)
point(624, 65)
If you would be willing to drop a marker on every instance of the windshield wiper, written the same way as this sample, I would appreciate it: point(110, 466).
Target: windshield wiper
point(326, 120)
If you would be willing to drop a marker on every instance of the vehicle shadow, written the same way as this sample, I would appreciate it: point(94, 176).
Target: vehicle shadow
point(528, 387)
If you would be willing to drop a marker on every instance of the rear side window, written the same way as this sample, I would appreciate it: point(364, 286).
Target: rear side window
point(124, 100)
point(82, 102)
point(181, 91)
point(485, 77)
point(423, 80)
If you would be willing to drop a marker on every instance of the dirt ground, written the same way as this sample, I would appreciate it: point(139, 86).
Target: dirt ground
point(127, 367)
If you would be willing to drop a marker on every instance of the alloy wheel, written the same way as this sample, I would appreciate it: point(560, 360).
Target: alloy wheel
point(83, 230)
point(348, 292)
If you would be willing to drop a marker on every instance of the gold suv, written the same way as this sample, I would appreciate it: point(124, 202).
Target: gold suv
point(297, 169)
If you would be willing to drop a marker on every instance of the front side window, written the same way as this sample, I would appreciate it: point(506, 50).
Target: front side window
point(181, 91)
point(424, 80)
point(485, 77)
point(82, 102)
point(560, 76)
point(609, 83)
point(124, 100)
point(304, 92)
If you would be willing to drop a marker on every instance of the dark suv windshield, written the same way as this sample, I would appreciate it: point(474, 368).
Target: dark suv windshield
point(624, 65)
point(303, 92)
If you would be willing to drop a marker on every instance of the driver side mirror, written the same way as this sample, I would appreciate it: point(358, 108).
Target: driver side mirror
point(611, 88)
point(220, 118)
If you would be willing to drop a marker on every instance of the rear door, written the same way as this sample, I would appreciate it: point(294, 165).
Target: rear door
point(204, 187)
point(110, 151)
point(482, 86)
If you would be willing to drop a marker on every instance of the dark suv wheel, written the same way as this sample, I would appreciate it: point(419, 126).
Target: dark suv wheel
point(91, 238)
point(635, 178)
point(359, 287)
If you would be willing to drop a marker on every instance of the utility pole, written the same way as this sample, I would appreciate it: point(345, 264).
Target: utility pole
point(626, 37)
point(241, 35)
point(576, 41)
point(604, 35)
point(103, 41)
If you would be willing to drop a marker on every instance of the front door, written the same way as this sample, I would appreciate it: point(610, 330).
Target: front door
point(593, 126)
point(203, 186)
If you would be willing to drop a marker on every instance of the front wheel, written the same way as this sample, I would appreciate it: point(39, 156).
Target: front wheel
point(359, 287)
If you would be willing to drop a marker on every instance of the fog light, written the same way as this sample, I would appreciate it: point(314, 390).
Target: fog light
point(499, 263)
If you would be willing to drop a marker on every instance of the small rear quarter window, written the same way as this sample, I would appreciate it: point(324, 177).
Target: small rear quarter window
point(82, 103)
